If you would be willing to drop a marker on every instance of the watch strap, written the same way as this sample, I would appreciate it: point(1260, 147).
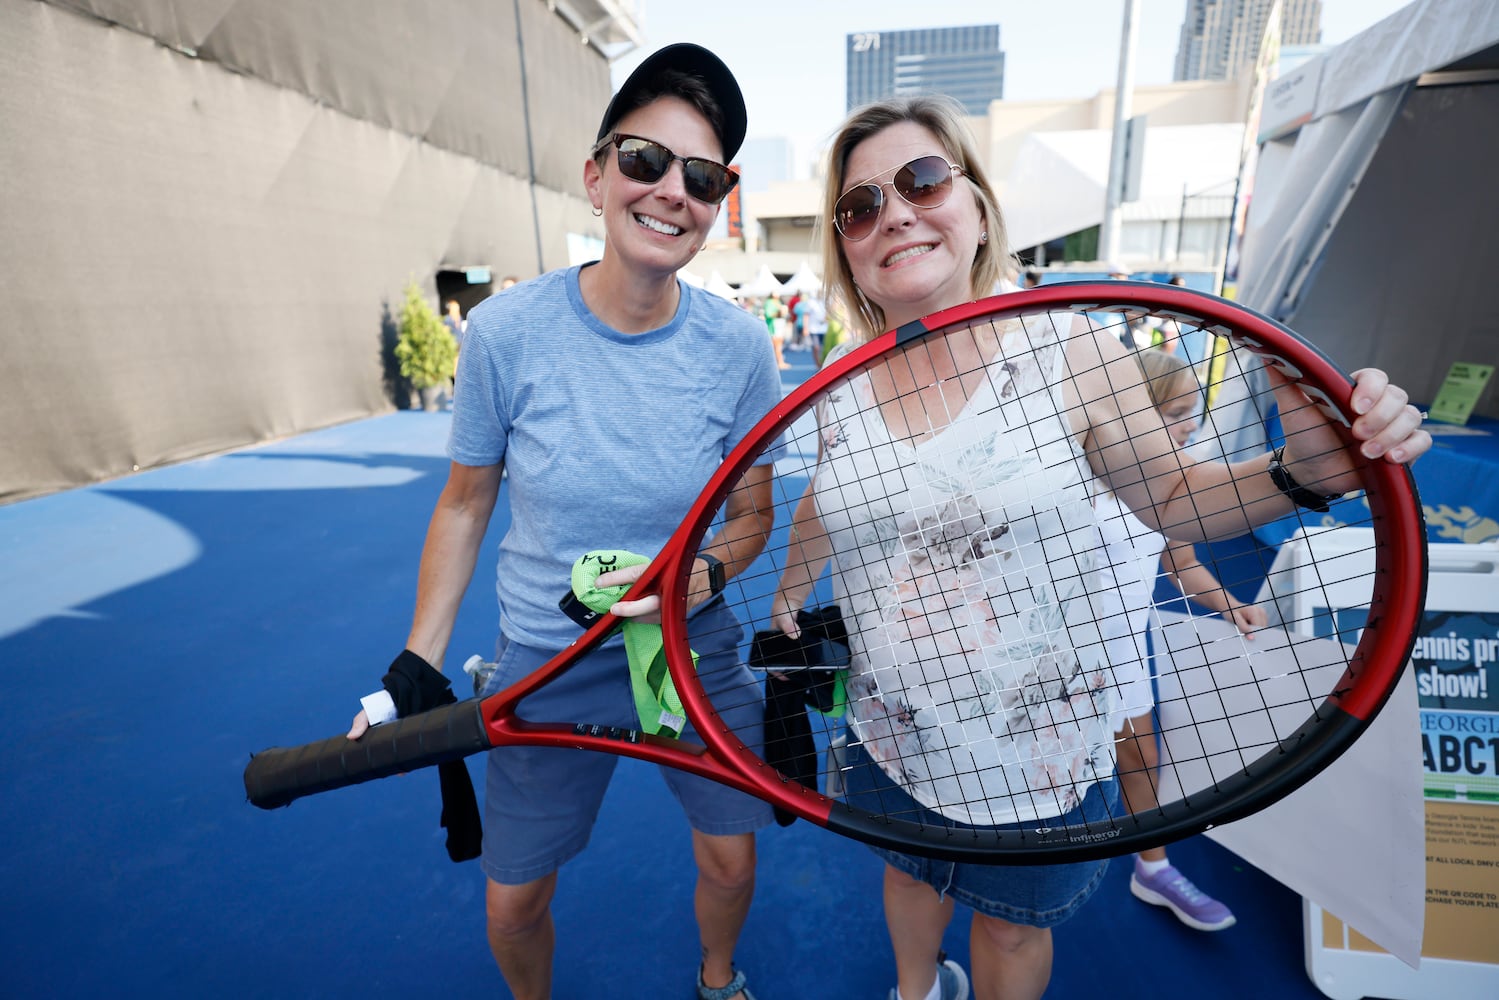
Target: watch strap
point(717, 577)
point(1300, 495)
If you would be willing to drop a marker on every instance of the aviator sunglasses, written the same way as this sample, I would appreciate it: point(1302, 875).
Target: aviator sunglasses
point(647, 162)
point(925, 182)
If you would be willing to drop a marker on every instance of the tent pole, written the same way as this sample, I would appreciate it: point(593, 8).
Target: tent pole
point(1108, 233)
point(525, 107)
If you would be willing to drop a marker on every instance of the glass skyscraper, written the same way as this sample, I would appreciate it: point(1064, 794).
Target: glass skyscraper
point(964, 63)
point(1220, 39)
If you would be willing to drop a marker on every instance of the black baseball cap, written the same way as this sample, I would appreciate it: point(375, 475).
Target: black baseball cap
point(694, 60)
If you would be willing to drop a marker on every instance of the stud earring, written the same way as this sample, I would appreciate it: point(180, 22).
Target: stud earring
point(984, 236)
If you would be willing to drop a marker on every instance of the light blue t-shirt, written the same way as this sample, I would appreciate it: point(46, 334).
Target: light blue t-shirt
point(607, 437)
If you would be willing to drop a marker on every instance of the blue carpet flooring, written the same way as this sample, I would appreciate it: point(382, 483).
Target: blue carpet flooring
point(156, 629)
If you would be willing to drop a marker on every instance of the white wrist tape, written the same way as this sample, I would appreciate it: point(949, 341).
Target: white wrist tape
point(378, 707)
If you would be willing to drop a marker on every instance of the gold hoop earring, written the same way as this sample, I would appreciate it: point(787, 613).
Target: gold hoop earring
point(598, 213)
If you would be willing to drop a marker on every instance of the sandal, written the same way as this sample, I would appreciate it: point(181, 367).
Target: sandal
point(736, 986)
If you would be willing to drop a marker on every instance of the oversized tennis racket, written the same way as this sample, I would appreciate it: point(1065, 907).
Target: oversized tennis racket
point(1246, 721)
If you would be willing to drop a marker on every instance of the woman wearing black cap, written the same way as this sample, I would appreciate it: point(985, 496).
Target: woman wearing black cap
point(609, 394)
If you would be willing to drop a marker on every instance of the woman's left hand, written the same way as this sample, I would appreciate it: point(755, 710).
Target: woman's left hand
point(1387, 427)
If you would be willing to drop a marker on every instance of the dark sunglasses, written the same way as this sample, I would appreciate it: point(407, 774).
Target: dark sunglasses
point(925, 182)
point(647, 162)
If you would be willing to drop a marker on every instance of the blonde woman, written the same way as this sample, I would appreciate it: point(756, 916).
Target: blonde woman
point(911, 226)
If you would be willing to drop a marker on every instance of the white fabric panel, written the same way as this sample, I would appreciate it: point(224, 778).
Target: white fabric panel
point(1405, 281)
point(1424, 36)
point(1314, 185)
point(1329, 157)
point(1057, 183)
point(1362, 815)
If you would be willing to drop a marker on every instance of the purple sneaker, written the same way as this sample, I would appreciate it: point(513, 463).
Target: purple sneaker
point(1192, 906)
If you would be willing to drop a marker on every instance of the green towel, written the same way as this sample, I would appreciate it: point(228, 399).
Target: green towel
point(656, 700)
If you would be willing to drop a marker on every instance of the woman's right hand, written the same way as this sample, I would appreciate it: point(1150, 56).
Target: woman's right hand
point(360, 725)
point(783, 615)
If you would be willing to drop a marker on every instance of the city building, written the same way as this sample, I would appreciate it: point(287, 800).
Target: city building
point(965, 63)
point(1049, 160)
point(762, 161)
point(1220, 39)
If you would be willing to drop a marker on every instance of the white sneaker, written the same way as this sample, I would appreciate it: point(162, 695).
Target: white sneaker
point(952, 979)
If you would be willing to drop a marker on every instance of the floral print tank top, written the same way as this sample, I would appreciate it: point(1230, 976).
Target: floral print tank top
point(966, 565)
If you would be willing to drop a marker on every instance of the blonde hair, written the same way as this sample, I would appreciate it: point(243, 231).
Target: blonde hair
point(942, 117)
point(1167, 376)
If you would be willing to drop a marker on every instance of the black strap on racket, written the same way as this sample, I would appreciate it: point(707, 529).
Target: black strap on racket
point(416, 686)
point(809, 669)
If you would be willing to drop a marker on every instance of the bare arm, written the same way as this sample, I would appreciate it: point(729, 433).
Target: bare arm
point(1128, 447)
point(749, 516)
point(806, 557)
point(454, 536)
point(1198, 582)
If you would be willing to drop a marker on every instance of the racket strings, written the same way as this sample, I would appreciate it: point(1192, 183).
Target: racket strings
point(1229, 700)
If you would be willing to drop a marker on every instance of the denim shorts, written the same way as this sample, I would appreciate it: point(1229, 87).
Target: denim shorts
point(1035, 895)
point(540, 803)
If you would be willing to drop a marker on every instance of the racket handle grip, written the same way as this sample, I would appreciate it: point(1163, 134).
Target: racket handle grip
point(280, 775)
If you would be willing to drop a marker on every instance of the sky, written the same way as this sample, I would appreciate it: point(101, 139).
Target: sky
point(788, 54)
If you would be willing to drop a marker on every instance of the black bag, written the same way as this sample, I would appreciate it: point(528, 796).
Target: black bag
point(811, 668)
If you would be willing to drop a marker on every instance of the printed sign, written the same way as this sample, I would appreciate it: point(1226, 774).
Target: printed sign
point(1459, 393)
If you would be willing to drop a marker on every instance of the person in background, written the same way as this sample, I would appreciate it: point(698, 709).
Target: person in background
point(816, 318)
point(1131, 333)
point(456, 324)
point(775, 324)
point(1085, 399)
point(1167, 334)
point(1030, 278)
point(509, 281)
point(614, 372)
point(454, 321)
point(1133, 555)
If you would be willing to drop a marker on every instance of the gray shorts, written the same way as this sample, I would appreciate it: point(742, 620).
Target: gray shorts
point(540, 803)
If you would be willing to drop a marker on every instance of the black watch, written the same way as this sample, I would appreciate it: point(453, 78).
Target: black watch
point(716, 576)
point(1300, 495)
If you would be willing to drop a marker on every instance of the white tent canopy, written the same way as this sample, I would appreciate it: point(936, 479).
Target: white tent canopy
point(803, 282)
point(1058, 181)
point(761, 285)
point(718, 286)
point(1381, 159)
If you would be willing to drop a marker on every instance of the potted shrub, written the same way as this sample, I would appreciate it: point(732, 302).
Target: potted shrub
point(425, 349)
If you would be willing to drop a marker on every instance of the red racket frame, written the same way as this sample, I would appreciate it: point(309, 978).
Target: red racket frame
point(1373, 670)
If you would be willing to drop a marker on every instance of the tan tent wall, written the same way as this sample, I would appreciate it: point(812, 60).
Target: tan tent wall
point(210, 208)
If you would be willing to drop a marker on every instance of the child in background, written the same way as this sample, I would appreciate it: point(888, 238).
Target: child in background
point(1135, 555)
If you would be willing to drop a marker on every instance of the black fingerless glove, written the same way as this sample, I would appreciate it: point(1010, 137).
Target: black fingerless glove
point(416, 686)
